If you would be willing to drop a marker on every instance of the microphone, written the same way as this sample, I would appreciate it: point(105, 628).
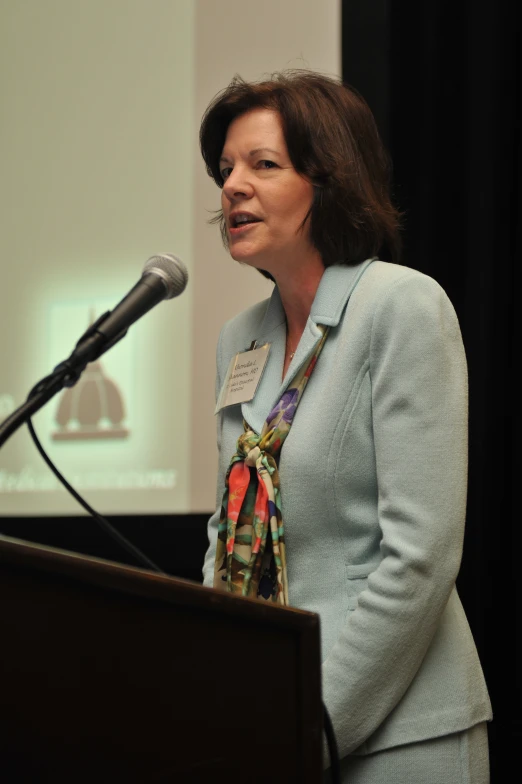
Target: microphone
point(163, 277)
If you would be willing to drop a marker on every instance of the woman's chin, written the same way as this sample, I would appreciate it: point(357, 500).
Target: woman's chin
point(244, 256)
point(260, 259)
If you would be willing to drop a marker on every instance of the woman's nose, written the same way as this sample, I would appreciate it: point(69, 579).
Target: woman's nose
point(238, 183)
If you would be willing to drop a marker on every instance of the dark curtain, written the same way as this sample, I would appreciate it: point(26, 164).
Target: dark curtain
point(444, 81)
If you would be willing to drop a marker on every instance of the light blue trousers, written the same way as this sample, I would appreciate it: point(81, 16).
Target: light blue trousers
point(460, 758)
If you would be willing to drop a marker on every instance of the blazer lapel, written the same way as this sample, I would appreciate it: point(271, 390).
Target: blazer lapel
point(331, 298)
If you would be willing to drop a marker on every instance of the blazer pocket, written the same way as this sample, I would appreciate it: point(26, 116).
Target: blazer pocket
point(357, 575)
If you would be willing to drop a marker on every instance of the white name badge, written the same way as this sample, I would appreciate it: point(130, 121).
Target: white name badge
point(243, 375)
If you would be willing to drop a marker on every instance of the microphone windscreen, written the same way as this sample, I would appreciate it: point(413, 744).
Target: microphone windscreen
point(171, 270)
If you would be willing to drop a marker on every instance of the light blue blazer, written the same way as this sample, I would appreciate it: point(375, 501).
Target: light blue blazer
point(373, 487)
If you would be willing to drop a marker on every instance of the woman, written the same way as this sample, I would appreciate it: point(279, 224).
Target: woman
point(371, 482)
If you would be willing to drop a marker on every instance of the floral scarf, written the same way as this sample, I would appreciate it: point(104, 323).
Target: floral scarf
point(251, 552)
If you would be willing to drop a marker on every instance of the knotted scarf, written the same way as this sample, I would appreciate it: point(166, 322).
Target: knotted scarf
point(251, 552)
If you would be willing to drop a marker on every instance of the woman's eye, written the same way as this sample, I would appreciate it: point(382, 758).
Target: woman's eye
point(267, 164)
point(225, 172)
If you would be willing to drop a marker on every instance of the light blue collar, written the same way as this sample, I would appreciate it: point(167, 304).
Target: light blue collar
point(329, 303)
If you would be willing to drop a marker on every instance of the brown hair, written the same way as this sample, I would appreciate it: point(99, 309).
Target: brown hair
point(333, 141)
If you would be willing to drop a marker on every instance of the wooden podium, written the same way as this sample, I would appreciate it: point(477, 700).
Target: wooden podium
point(114, 674)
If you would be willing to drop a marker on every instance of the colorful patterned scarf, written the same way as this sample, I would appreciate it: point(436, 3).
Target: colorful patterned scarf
point(251, 553)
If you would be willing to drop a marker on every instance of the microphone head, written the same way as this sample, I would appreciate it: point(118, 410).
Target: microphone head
point(171, 270)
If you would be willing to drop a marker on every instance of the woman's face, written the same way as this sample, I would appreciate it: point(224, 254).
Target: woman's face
point(264, 199)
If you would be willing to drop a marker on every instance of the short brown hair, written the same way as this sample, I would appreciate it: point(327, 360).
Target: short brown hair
point(333, 141)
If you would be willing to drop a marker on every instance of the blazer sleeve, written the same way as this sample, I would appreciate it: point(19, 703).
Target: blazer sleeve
point(419, 418)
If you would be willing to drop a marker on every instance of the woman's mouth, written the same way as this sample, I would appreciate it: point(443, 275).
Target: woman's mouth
point(241, 222)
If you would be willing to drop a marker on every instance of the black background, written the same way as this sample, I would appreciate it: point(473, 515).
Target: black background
point(444, 82)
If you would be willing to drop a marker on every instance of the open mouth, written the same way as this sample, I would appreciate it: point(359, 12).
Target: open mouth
point(243, 219)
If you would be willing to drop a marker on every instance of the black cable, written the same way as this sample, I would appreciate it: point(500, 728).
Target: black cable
point(104, 524)
point(335, 767)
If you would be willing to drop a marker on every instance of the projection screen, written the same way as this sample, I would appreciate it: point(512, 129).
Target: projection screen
point(100, 171)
